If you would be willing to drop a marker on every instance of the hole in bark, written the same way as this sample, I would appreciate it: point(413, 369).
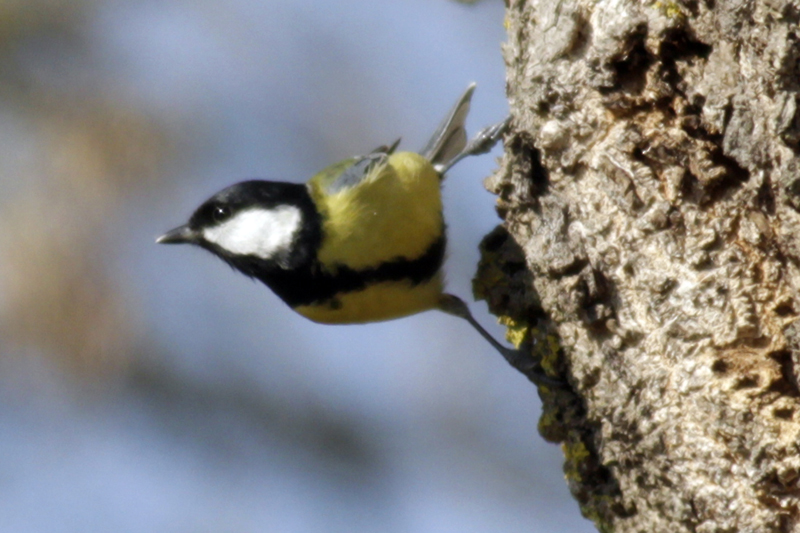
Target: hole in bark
point(717, 189)
point(666, 287)
point(789, 69)
point(574, 268)
point(629, 269)
point(544, 106)
point(719, 366)
point(539, 175)
point(681, 44)
point(790, 133)
point(787, 385)
point(691, 5)
point(784, 309)
point(746, 382)
point(689, 185)
point(530, 164)
point(785, 413)
point(766, 198)
point(630, 68)
point(791, 13)
point(711, 191)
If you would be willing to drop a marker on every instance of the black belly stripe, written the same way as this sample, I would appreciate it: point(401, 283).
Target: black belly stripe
point(313, 285)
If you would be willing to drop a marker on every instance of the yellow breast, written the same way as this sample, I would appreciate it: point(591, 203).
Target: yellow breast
point(381, 301)
point(394, 213)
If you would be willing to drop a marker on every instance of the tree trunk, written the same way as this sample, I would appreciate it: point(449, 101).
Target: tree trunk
point(651, 246)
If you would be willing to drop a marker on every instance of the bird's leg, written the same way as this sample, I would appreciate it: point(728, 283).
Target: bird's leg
point(483, 141)
point(519, 359)
point(486, 138)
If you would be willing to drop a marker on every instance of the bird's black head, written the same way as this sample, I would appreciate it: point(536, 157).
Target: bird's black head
point(255, 226)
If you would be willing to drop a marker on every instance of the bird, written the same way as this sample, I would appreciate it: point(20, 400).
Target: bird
point(362, 241)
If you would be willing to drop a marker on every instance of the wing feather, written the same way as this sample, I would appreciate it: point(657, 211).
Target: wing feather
point(354, 174)
point(450, 137)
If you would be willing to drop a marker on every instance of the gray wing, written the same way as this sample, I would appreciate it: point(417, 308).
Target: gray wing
point(357, 171)
point(361, 167)
point(450, 137)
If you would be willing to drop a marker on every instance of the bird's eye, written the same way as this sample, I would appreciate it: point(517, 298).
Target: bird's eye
point(219, 213)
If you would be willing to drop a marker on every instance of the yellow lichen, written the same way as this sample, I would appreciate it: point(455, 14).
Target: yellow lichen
point(548, 350)
point(516, 332)
point(548, 419)
point(488, 276)
point(669, 9)
point(575, 453)
point(592, 512)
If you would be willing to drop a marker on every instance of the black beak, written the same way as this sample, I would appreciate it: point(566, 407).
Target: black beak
point(180, 235)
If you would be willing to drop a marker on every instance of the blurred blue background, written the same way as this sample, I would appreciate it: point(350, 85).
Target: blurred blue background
point(145, 388)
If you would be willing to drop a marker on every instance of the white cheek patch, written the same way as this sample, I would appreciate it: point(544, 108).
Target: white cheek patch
point(259, 232)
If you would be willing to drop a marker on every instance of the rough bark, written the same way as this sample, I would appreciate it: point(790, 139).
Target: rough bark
point(651, 244)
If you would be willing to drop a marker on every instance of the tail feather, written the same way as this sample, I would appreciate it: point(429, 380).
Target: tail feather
point(450, 137)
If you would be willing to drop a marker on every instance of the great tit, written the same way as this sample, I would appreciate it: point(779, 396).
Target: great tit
point(362, 241)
